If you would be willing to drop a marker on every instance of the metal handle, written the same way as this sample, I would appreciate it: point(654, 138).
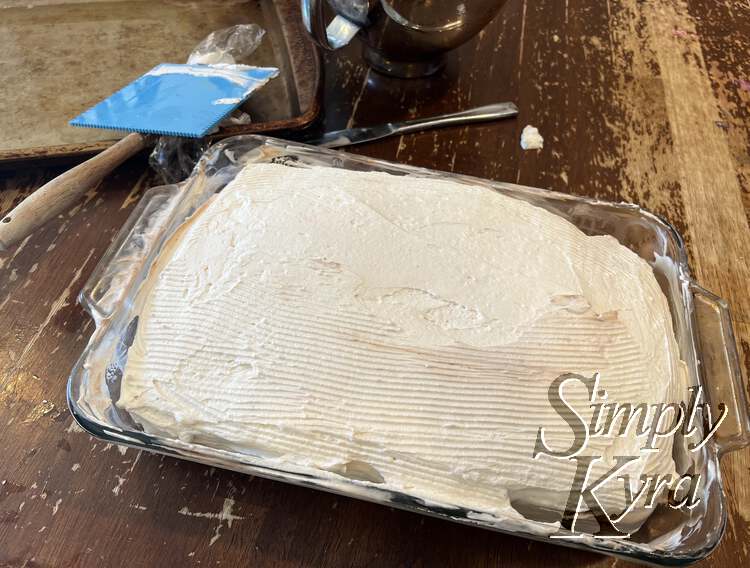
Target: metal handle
point(720, 369)
point(314, 20)
point(479, 114)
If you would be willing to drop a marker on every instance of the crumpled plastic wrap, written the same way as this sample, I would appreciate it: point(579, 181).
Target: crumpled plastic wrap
point(229, 45)
point(175, 158)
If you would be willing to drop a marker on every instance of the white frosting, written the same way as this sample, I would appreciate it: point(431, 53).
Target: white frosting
point(395, 329)
point(531, 139)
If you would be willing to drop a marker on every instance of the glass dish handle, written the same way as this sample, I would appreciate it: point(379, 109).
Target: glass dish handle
point(720, 369)
point(136, 240)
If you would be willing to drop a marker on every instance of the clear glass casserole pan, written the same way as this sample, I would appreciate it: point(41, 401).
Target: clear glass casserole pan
point(701, 323)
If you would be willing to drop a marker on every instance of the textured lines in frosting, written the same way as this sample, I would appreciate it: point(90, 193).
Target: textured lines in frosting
point(324, 317)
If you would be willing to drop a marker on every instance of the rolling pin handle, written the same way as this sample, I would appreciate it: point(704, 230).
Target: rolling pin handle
point(57, 195)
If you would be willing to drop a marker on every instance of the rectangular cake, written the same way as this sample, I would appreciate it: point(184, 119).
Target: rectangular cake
point(402, 332)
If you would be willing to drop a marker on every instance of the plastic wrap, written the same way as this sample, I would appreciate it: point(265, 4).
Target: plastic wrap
point(229, 45)
point(174, 158)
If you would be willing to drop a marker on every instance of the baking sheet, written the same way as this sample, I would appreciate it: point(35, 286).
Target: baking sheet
point(58, 59)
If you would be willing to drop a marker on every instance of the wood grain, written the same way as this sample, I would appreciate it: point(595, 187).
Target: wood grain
point(645, 102)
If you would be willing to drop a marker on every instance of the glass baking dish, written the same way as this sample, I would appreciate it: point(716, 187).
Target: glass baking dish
point(701, 323)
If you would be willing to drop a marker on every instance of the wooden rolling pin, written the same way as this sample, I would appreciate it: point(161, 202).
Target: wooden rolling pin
point(58, 195)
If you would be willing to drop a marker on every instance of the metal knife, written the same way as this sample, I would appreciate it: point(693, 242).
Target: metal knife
point(350, 136)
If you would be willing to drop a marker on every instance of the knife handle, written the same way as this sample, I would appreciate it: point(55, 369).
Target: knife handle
point(478, 114)
point(59, 194)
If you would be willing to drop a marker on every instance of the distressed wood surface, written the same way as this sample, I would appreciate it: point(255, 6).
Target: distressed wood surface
point(644, 102)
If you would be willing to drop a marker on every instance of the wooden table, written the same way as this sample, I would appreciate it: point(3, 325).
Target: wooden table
point(645, 102)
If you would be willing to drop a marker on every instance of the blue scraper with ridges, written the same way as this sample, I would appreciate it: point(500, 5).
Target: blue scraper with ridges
point(177, 99)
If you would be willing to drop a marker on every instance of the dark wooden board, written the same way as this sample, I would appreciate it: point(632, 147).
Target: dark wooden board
point(60, 58)
point(638, 101)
